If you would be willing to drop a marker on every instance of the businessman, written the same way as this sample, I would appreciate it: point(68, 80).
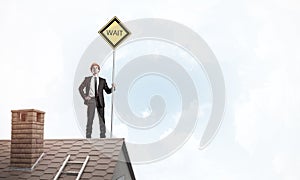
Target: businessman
point(91, 90)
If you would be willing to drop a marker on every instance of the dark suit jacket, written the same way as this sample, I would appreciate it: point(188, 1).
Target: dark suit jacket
point(84, 89)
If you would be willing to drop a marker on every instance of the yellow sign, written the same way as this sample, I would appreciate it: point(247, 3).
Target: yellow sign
point(114, 32)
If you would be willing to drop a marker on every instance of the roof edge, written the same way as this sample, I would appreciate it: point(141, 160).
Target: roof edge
point(128, 162)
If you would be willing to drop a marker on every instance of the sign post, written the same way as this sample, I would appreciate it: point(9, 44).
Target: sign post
point(114, 32)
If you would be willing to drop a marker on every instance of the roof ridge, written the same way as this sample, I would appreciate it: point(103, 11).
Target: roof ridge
point(72, 139)
point(102, 139)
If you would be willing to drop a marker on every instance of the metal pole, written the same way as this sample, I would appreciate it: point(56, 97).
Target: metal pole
point(112, 95)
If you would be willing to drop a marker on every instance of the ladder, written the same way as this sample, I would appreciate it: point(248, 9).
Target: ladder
point(78, 173)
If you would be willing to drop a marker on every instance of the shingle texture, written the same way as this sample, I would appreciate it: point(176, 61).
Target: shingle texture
point(104, 155)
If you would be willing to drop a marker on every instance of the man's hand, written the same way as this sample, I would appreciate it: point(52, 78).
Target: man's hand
point(87, 98)
point(113, 86)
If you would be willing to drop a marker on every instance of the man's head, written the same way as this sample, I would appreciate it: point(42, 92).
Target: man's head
point(95, 68)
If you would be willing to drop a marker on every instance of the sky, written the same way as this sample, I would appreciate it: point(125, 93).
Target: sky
point(255, 42)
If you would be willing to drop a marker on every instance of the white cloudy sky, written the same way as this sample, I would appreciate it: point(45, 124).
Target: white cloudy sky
point(256, 43)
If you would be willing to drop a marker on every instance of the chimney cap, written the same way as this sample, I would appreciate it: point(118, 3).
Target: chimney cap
point(28, 110)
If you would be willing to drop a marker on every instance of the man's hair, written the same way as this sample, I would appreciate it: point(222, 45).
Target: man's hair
point(94, 64)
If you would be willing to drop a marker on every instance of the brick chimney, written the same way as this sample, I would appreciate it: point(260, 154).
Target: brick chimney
point(27, 137)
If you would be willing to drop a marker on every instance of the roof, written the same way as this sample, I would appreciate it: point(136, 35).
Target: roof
point(104, 156)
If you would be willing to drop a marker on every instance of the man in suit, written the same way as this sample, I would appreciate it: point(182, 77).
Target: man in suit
point(91, 90)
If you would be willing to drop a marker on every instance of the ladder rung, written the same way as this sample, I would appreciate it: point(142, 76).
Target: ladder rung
point(71, 172)
point(75, 162)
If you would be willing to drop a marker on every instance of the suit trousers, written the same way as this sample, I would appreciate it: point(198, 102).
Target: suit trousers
point(92, 105)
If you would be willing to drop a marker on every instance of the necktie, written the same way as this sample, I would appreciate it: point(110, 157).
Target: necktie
point(95, 80)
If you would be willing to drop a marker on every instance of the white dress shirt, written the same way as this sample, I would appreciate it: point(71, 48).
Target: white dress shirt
point(92, 85)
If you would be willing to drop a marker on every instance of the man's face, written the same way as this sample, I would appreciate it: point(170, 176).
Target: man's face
point(95, 70)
